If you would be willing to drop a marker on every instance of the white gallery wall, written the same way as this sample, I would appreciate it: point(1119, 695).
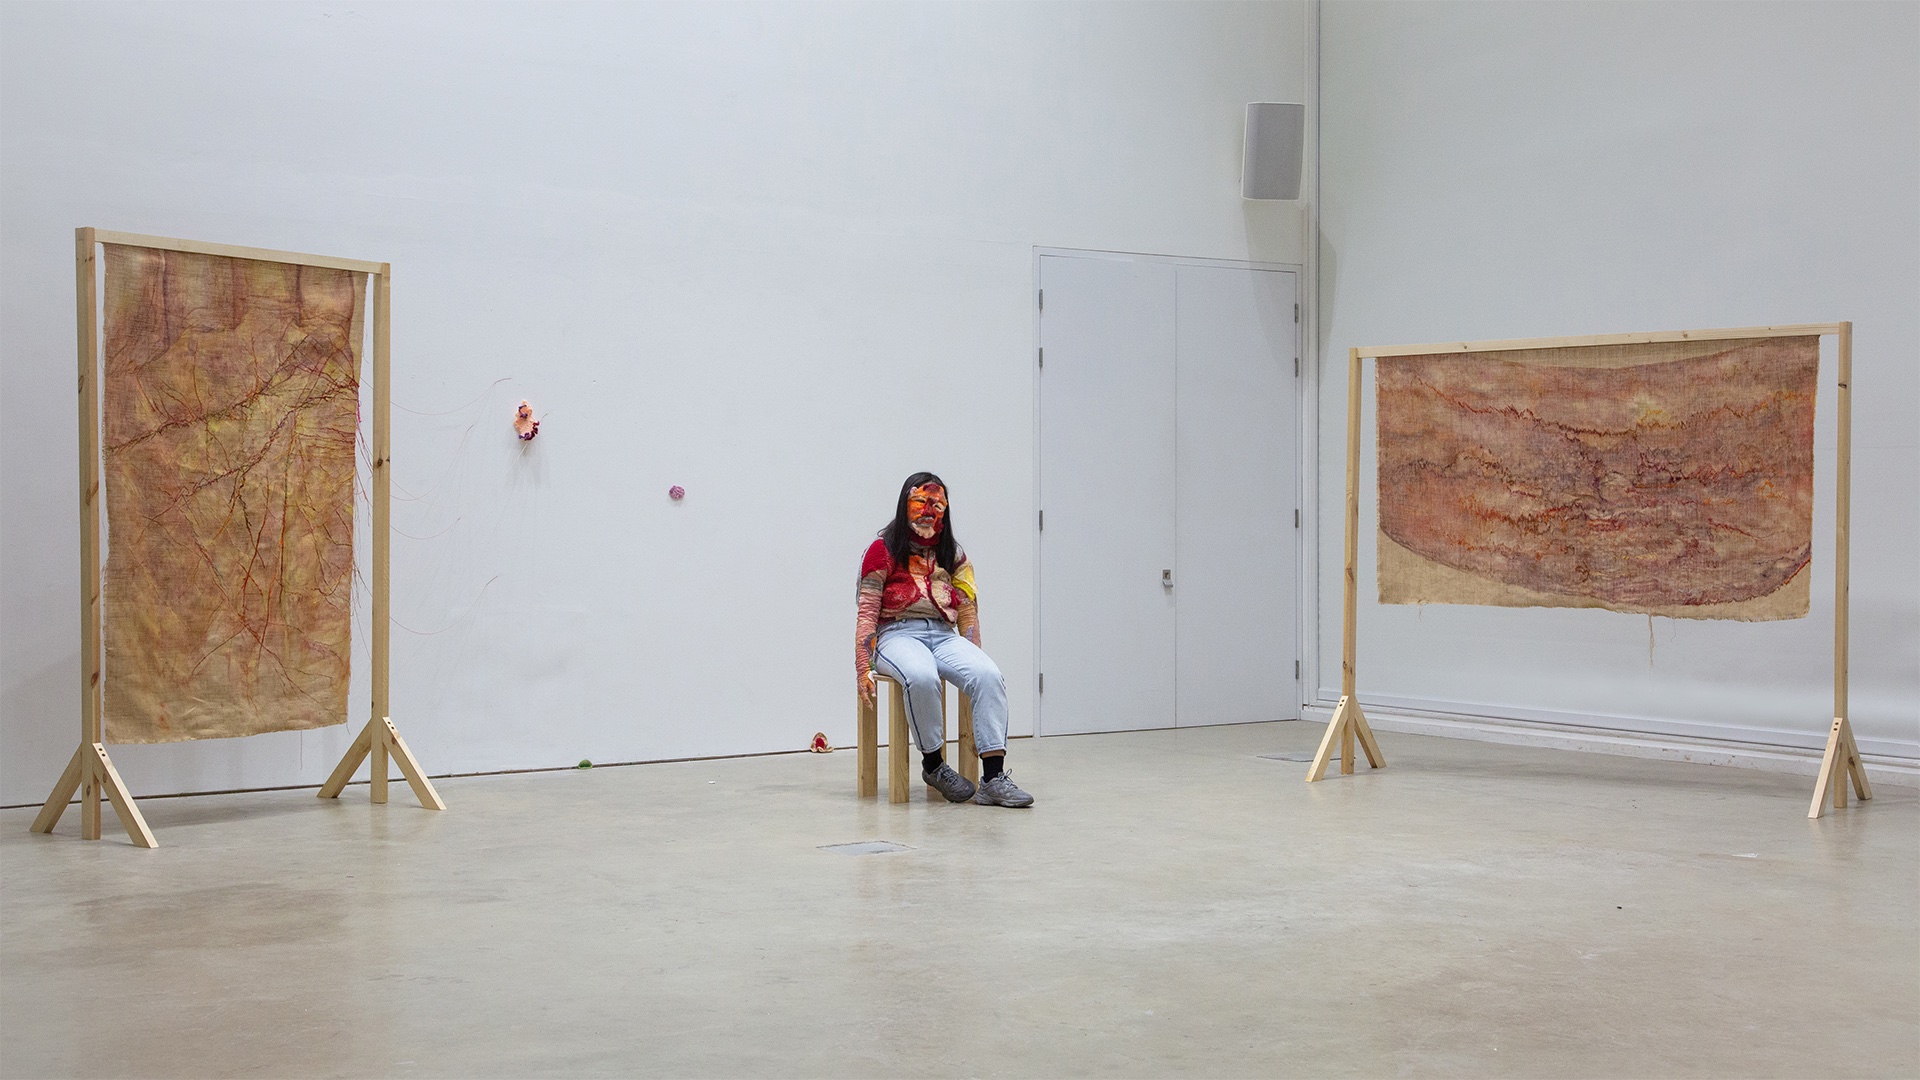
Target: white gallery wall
point(1500, 170)
point(779, 254)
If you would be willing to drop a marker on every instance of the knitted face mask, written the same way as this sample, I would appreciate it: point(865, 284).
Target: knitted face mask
point(927, 510)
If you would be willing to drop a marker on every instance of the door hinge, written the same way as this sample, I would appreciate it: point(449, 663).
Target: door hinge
point(1296, 312)
point(1043, 682)
point(1296, 367)
point(1296, 517)
point(1043, 303)
point(1043, 356)
point(1296, 671)
point(1043, 521)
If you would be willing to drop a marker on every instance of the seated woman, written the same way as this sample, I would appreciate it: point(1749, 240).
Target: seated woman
point(919, 622)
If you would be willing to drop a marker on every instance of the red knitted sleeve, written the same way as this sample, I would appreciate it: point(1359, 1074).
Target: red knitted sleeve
point(874, 569)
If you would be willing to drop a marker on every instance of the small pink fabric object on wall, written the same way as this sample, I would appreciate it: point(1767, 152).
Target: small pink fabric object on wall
point(676, 493)
point(524, 425)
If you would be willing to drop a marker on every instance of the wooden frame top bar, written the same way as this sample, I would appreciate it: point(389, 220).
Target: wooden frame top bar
point(168, 243)
point(1729, 334)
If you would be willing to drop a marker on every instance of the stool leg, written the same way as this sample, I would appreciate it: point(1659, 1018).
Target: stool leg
point(933, 793)
point(969, 759)
point(867, 748)
point(897, 745)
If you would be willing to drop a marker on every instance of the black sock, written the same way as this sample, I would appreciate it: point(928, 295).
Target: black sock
point(930, 762)
point(990, 766)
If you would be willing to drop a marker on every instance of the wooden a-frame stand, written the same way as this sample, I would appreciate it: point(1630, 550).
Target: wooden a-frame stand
point(380, 740)
point(1348, 721)
point(1840, 765)
point(90, 770)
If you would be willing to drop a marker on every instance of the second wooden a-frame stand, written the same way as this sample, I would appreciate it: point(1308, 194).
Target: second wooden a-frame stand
point(380, 740)
point(90, 771)
point(1840, 767)
point(1349, 724)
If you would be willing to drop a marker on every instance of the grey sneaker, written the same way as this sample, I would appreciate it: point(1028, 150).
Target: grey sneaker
point(955, 787)
point(1001, 791)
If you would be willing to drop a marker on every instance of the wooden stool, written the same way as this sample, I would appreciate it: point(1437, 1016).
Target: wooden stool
point(867, 753)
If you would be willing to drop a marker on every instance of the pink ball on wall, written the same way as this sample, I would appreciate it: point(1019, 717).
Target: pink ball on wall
point(676, 493)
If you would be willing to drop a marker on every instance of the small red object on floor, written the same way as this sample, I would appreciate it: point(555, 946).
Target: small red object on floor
point(820, 743)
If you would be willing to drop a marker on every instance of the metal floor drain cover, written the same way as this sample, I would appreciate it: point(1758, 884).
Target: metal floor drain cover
point(866, 847)
point(1296, 755)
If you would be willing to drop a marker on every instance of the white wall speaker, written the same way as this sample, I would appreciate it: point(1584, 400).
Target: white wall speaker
point(1270, 165)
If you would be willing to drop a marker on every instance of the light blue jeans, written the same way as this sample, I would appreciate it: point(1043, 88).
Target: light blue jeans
point(918, 653)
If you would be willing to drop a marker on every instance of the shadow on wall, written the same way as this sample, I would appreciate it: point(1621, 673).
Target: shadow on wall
point(1273, 229)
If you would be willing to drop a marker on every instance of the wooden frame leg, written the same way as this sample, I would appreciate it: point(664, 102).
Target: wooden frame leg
point(377, 772)
point(91, 771)
point(1320, 757)
point(89, 799)
point(933, 793)
point(896, 744)
point(349, 763)
point(416, 776)
point(63, 790)
point(1839, 766)
point(108, 777)
point(1832, 779)
point(867, 747)
point(900, 741)
point(377, 741)
point(1348, 725)
point(1375, 759)
point(969, 756)
point(1855, 768)
point(1828, 760)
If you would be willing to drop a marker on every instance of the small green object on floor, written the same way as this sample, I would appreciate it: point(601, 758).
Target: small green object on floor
point(585, 764)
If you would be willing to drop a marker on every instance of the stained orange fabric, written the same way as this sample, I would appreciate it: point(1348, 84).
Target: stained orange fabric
point(230, 404)
point(1617, 477)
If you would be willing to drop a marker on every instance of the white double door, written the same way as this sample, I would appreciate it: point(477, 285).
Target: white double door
point(1169, 540)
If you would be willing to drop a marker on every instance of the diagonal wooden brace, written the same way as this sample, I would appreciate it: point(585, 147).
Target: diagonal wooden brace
point(1347, 725)
point(380, 740)
point(1839, 766)
point(92, 770)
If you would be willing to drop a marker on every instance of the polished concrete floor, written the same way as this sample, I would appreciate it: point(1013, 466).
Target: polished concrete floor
point(1177, 904)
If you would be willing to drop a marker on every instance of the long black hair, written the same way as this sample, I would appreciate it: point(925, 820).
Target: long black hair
point(898, 533)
